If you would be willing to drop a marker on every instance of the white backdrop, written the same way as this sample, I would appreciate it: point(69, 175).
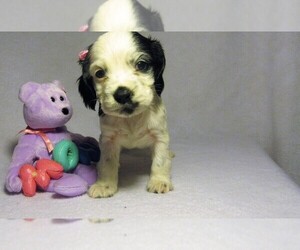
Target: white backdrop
point(179, 15)
point(241, 83)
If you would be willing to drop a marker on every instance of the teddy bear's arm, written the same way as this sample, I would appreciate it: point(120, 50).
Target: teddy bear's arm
point(24, 153)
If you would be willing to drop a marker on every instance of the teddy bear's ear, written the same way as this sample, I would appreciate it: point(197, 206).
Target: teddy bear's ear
point(59, 84)
point(26, 90)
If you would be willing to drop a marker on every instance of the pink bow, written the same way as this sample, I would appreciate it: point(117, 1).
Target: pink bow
point(41, 133)
point(84, 28)
point(82, 55)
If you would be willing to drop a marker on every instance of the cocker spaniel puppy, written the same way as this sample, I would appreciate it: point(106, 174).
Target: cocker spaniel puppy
point(123, 72)
point(125, 15)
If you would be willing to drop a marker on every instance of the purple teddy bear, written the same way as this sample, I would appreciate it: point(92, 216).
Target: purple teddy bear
point(46, 110)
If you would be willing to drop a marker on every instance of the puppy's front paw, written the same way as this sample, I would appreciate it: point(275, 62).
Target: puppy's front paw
point(102, 190)
point(159, 186)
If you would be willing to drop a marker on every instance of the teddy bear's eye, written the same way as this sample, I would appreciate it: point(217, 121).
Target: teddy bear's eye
point(52, 99)
point(62, 98)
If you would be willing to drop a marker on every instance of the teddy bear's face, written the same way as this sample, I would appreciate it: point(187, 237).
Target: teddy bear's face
point(45, 105)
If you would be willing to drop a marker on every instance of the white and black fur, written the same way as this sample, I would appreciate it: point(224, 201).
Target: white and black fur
point(125, 15)
point(123, 72)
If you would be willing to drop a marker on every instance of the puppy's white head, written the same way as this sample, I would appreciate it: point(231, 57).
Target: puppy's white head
point(125, 15)
point(123, 71)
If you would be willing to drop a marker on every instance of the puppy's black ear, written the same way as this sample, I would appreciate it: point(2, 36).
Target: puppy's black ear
point(159, 62)
point(154, 49)
point(86, 82)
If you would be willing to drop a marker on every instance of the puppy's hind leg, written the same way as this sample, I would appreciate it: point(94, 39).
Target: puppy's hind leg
point(107, 183)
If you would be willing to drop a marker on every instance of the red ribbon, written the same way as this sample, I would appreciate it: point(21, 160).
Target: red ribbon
point(41, 133)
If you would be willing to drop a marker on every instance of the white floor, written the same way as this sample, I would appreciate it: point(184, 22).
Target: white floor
point(228, 193)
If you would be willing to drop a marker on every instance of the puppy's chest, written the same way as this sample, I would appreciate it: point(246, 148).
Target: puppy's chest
point(131, 133)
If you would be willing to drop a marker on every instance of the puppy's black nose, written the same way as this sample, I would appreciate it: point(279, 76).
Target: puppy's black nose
point(123, 95)
point(65, 111)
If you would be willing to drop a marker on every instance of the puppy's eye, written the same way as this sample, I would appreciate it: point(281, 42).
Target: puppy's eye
point(142, 66)
point(62, 98)
point(52, 99)
point(100, 73)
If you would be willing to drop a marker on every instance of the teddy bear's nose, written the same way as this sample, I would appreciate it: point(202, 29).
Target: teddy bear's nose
point(65, 111)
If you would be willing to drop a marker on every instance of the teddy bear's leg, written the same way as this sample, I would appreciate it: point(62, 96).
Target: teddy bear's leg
point(51, 186)
point(69, 185)
point(74, 184)
point(88, 173)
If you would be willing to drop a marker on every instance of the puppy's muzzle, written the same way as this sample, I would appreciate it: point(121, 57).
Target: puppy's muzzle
point(124, 96)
